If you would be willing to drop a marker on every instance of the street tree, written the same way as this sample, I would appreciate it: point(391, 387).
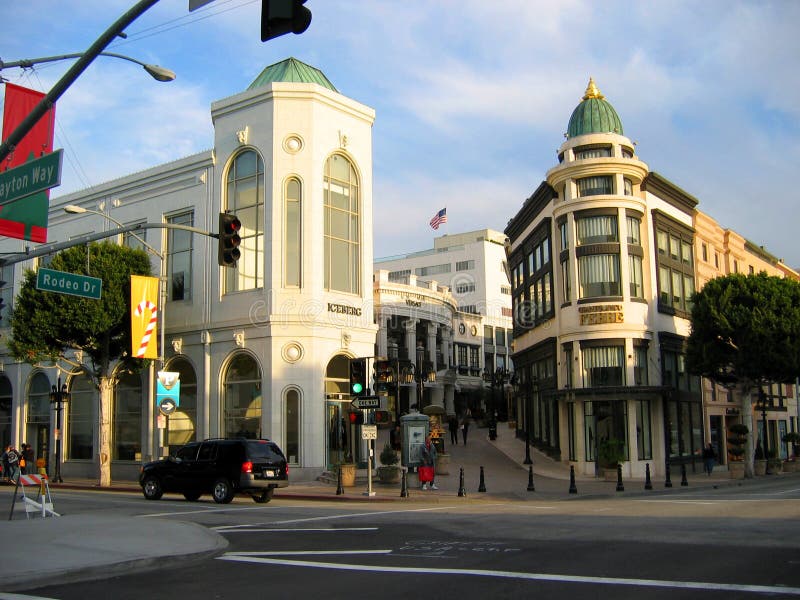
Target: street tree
point(53, 329)
point(746, 334)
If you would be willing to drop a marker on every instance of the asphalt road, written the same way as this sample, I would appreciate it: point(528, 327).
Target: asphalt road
point(725, 543)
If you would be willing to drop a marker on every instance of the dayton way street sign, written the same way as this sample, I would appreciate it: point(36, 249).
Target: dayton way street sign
point(69, 283)
point(33, 176)
point(363, 402)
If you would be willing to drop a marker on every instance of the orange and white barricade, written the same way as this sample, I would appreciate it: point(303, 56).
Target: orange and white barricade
point(42, 502)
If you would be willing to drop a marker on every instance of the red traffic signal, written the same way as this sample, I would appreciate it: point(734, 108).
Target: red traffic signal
point(279, 17)
point(356, 417)
point(228, 250)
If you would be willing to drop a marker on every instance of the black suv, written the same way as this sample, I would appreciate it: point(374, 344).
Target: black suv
point(220, 467)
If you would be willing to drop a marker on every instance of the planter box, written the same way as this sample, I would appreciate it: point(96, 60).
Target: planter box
point(348, 475)
point(736, 469)
point(443, 464)
point(389, 474)
point(760, 467)
point(789, 466)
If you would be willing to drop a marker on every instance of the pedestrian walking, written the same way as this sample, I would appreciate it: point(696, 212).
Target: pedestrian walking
point(427, 472)
point(12, 455)
point(452, 425)
point(709, 457)
point(30, 459)
point(465, 425)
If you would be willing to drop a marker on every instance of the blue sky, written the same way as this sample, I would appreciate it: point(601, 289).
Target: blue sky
point(472, 97)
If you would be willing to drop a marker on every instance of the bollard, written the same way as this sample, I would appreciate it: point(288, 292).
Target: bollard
point(482, 484)
point(620, 487)
point(668, 481)
point(339, 486)
point(572, 488)
point(648, 485)
point(530, 479)
point(684, 482)
point(461, 491)
point(404, 484)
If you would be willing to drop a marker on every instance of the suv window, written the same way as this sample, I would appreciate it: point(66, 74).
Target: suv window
point(207, 452)
point(264, 451)
point(188, 452)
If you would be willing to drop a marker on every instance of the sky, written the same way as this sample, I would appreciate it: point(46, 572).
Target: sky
point(472, 97)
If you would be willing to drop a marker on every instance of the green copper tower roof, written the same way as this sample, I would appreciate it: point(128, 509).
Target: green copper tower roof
point(291, 70)
point(593, 115)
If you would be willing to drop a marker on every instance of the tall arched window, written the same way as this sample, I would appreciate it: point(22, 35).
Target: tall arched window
point(242, 398)
point(38, 411)
point(82, 398)
point(245, 199)
point(291, 445)
point(292, 240)
point(183, 422)
point(5, 411)
point(127, 425)
point(342, 226)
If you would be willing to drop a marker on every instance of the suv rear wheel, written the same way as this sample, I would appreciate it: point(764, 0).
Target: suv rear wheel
point(264, 496)
point(151, 488)
point(223, 491)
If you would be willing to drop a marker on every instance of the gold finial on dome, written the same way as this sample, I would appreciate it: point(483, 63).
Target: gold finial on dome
point(592, 91)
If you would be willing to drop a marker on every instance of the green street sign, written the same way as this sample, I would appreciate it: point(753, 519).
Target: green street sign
point(34, 176)
point(49, 280)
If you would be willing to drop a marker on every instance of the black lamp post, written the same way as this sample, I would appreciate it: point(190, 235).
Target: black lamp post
point(498, 377)
point(58, 396)
point(763, 398)
point(423, 371)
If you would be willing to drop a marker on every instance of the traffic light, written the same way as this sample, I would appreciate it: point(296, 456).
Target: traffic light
point(279, 17)
point(358, 376)
point(382, 417)
point(356, 417)
point(383, 375)
point(228, 251)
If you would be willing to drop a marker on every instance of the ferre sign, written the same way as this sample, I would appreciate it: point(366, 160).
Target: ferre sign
point(601, 314)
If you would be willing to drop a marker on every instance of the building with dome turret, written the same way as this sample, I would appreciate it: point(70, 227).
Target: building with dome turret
point(603, 263)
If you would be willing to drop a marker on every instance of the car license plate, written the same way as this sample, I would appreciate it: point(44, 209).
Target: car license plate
point(269, 473)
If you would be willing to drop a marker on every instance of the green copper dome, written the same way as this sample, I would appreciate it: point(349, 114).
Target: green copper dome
point(593, 115)
point(291, 70)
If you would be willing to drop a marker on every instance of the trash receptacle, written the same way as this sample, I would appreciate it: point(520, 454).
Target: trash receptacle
point(493, 429)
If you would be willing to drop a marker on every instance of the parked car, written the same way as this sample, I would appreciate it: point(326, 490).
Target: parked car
point(220, 467)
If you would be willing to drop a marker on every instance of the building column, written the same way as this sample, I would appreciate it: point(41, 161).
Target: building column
point(445, 348)
point(432, 328)
point(450, 399)
point(411, 347)
point(383, 340)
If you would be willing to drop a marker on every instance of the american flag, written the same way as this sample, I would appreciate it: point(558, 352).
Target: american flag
point(439, 218)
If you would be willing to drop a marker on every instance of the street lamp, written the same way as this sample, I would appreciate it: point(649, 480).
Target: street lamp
point(58, 396)
point(77, 210)
point(156, 72)
point(493, 378)
point(423, 371)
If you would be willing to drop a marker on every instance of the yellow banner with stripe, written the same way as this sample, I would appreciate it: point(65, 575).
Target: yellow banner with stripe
point(144, 316)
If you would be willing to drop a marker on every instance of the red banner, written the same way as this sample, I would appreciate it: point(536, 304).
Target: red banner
point(26, 218)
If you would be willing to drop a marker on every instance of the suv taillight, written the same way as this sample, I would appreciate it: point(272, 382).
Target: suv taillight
point(287, 469)
point(247, 467)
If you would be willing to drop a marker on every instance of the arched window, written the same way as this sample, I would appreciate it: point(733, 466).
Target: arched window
point(127, 424)
point(38, 408)
point(183, 422)
point(342, 226)
point(82, 398)
point(291, 446)
point(292, 241)
point(5, 411)
point(242, 398)
point(245, 199)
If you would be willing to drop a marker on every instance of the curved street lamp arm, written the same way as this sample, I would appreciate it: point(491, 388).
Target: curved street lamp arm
point(155, 71)
point(69, 78)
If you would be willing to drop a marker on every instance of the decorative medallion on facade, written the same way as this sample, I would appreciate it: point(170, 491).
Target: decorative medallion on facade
point(293, 144)
point(292, 352)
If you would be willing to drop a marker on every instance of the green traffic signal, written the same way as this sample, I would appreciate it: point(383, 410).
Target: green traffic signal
point(357, 388)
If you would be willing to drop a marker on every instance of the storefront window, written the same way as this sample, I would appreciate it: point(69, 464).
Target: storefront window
point(127, 434)
point(242, 398)
point(83, 397)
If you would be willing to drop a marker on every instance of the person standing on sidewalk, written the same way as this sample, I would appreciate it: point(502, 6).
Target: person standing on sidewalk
point(429, 462)
point(452, 425)
point(465, 425)
point(30, 459)
point(13, 464)
point(709, 457)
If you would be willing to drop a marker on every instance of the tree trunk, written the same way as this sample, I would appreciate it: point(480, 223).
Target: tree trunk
point(747, 419)
point(104, 433)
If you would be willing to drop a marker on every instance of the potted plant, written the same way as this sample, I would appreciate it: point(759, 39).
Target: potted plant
point(737, 435)
point(610, 454)
point(792, 438)
point(775, 463)
point(759, 461)
point(388, 472)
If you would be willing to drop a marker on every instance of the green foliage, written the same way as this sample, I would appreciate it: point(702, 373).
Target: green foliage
point(388, 456)
point(46, 324)
point(746, 329)
point(611, 452)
